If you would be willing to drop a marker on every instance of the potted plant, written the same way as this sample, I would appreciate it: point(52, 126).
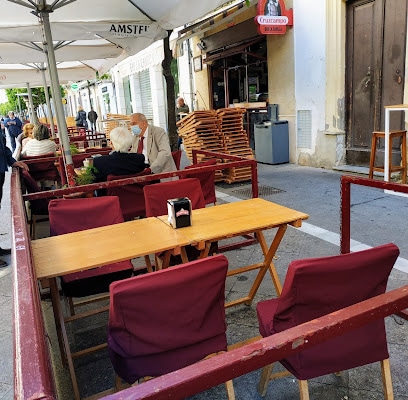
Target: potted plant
point(86, 177)
point(73, 149)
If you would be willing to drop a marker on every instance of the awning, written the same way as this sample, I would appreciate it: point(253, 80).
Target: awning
point(210, 22)
point(230, 51)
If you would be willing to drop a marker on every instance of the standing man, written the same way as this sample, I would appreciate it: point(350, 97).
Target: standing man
point(6, 160)
point(181, 108)
point(153, 143)
point(93, 116)
point(14, 126)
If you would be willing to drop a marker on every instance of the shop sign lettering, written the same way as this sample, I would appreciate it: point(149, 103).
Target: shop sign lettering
point(273, 17)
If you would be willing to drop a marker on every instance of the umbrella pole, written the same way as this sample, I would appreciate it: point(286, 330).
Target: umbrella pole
point(56, 94)
point(47, 100)
point(31, 111)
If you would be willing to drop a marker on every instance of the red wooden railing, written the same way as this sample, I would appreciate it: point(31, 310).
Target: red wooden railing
point(230, 161)
point(32, 366)
point(33, 373)
point(345, 209)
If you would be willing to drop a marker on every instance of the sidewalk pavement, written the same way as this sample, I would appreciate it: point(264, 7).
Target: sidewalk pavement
point(6, 301)
point(377, 218)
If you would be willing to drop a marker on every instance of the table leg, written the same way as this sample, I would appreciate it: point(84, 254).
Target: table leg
point(56, 307)
point(205, 251)
point(62, 334)
point(387, 149)
point(268, 253)
point(268, 262)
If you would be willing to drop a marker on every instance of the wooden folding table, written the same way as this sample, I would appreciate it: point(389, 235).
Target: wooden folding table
point(239, 218)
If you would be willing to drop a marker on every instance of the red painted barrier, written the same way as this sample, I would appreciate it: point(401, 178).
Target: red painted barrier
point(33, 375)
point(32, 366)
point(345, 203)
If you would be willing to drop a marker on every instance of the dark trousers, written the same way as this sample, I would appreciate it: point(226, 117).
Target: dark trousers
point(12, 142)
point(2, 177)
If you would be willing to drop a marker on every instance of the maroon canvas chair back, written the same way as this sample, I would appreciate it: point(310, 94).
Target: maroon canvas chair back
point(28, 158)
point(73, 215)
point(150, 337)
point(131, 197)
point(99, 150)
point(39, 206)
point(207, 180)
point(156, 195)
point(318, 286)
point(42, 167)
point(78, 138)
point(176, 158)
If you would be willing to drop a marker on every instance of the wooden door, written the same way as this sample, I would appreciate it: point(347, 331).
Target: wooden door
point(375, 69)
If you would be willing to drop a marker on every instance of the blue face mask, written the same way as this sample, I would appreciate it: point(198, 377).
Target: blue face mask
point(136, 130)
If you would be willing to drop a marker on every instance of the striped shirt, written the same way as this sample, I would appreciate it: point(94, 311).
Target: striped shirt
point(36, 147)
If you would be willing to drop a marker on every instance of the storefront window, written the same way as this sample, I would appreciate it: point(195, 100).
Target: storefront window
point(239, 74)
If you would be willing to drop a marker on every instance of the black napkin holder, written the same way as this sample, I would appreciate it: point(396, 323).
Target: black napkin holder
point(179, 212)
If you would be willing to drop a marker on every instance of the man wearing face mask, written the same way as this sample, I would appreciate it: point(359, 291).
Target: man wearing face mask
point(153, 143)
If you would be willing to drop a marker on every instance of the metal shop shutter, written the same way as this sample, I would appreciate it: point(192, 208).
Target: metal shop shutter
point(146, 94)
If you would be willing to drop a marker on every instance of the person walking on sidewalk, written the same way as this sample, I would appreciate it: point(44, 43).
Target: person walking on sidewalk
point(92, 117)
point(6, 160)
point(14, 126)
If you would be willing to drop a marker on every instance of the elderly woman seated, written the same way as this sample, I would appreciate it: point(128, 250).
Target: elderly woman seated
point(40, 144)
point(119, 161)
point(27, 134)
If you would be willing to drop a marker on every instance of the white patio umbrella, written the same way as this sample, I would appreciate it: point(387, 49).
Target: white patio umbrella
point(16, 75)
point(130, 24)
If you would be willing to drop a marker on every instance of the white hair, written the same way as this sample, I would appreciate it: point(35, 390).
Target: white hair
point(121, 139)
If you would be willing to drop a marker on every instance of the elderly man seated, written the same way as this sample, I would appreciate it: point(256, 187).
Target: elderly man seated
point(119, 161)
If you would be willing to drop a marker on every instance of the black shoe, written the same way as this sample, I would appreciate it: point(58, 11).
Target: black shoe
point(5, 252)
point(3, 263)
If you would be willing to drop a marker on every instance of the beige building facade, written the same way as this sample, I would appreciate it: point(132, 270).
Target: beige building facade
point(313, 74)
point(305, 77)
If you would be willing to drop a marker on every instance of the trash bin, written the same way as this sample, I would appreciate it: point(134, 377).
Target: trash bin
point(272, 142)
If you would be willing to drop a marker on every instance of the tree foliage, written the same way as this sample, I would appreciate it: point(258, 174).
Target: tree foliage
point(5, 108)
point(38, 97)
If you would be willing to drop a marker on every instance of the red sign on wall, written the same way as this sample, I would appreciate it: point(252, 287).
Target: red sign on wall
point(273, 17)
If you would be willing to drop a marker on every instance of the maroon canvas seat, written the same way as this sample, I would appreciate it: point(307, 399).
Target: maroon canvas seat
point(318, 286)
point(72, 215)
point(131, 197)
point(150, 337)
point(207, 179)
point(39, 207)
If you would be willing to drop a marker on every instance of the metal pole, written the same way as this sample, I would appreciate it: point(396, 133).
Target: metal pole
point(31, 112)
point(19, 106)
point(47, 100)
point(56, 94)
